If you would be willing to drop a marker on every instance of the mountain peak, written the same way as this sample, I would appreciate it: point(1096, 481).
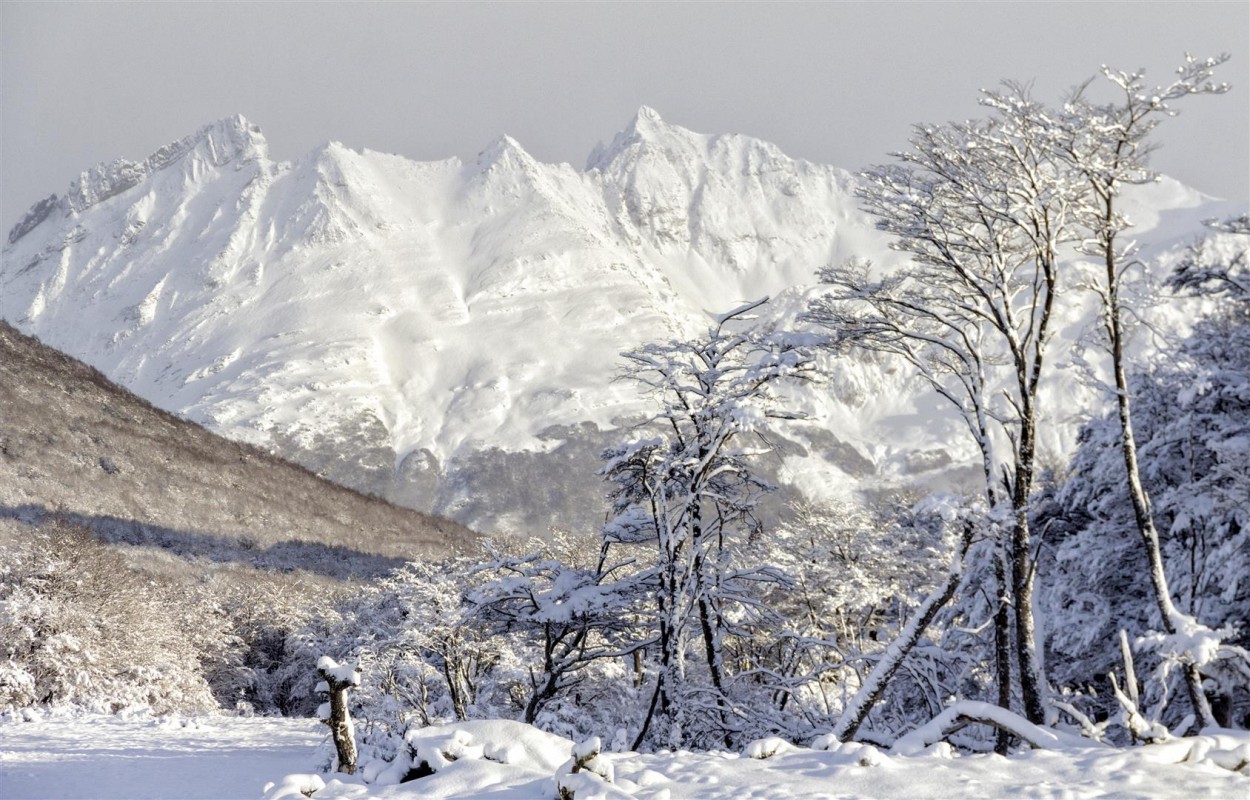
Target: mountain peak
point(647, 126)
point(227, 139)
point(504, 150)
point(647, 120)
point(500, 145)
point(216, 144)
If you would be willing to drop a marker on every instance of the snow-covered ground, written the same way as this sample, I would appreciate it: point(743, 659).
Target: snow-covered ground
point(501, 759)
point(107, 757)
point(224, 757)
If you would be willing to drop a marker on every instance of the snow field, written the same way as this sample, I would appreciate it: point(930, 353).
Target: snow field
point(124, 757)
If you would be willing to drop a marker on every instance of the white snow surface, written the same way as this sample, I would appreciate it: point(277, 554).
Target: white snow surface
point(498, 740)
point(342, 673)
point(361, 303)
point(136, 757)
point(776, 770)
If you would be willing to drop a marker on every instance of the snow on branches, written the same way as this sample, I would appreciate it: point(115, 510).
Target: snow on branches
point(689, 491)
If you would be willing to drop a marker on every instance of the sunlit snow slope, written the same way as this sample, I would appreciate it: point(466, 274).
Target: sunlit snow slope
point(447, 333)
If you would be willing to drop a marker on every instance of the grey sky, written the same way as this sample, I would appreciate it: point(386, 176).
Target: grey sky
point(837, 83)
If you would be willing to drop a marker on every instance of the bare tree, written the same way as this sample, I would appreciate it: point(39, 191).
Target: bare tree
point(983, 209)
point(1109, 145)
point(691, 489)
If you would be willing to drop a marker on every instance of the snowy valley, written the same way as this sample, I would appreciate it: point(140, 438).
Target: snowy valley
point(699, 472)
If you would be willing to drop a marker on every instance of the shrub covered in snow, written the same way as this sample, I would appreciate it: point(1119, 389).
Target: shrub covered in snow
point(78, 626)
point(95, 626)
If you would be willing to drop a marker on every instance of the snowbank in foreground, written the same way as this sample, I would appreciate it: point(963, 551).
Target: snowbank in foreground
point(230, 757)
point(510, 761)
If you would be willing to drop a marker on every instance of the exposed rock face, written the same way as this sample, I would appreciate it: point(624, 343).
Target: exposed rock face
point(37, 214)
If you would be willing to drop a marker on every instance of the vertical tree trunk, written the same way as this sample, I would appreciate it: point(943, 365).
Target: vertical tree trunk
point(544, 688)
point(709, 622)
point(651, 711)
point(1028, 663)
point(455, 689)
point(712, 649)
point(665, 676)
point(1137, 492)
point(1002, 645)
point(1033, 683)
point(339, 719)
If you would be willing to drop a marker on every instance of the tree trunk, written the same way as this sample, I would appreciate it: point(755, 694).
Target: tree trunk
point(661, 700)
point(1002, 646)
point(709, 623)
point(1137, 492)
point(339, 720)
point(455, 688)
point(711, 646)
point(1032, 679)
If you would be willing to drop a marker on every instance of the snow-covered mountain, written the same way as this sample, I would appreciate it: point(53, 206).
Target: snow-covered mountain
point(446, 333)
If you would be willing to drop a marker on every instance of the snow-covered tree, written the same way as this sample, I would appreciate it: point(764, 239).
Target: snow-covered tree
point(1192, 428)
point(260, 663)
point(858, 577)
point(888, 662)
point(688, 492)
point(983, 209)
point(571, 616)
point(422, 660)
point(80, 626)
point(1109, 145)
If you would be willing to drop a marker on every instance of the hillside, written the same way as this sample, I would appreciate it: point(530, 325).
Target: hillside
point(75, 445)
point(439, 333)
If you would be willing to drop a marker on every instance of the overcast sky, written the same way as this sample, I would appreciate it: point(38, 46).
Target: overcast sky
point(837, 83)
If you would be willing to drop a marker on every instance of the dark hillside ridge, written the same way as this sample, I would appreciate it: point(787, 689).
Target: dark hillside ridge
point(75, 445)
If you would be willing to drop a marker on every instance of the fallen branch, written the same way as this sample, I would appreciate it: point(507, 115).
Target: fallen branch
point(1129, 699)
point(1089, 728)
point(967, 712)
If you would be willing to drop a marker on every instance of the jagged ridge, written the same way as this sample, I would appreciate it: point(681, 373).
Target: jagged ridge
point(440, 332)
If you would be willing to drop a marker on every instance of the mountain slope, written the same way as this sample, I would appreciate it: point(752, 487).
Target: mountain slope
point(440, 333)
point(75, 445)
